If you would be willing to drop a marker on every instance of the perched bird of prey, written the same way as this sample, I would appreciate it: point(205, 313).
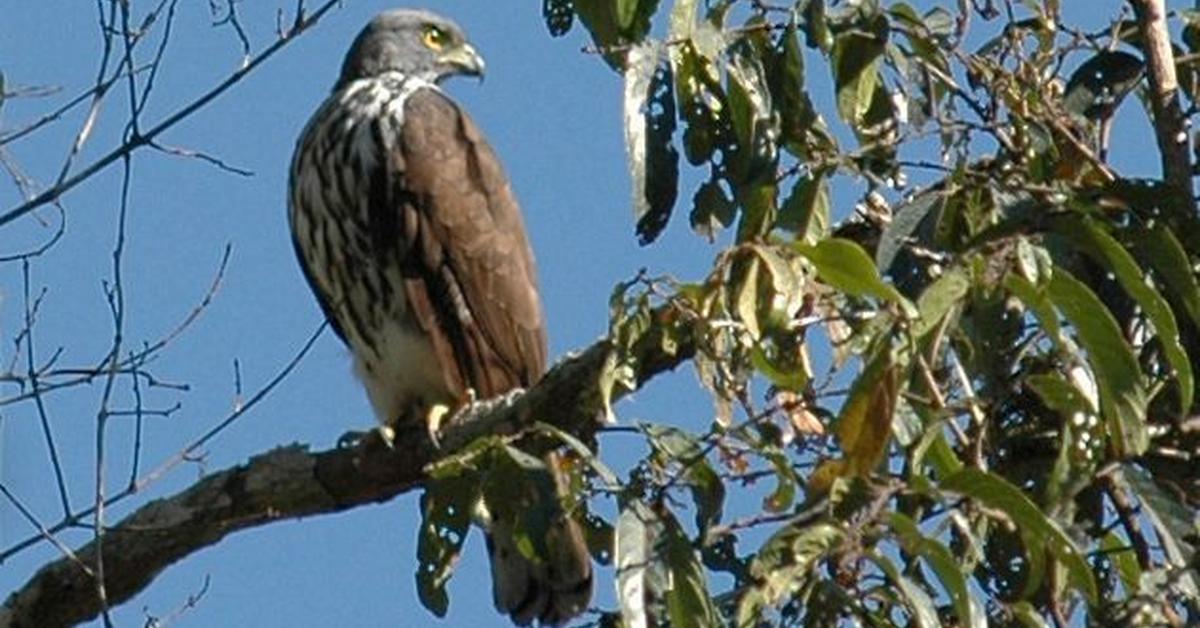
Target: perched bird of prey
point(413, 243)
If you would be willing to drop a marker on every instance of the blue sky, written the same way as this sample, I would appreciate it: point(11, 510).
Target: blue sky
point(552, 113)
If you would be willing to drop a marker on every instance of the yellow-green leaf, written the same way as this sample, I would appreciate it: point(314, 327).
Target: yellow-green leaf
point(845, 266)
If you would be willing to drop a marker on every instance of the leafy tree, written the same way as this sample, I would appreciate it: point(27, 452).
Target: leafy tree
point(968, 401)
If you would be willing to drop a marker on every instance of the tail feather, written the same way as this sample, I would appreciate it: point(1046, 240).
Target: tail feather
point(551, 591)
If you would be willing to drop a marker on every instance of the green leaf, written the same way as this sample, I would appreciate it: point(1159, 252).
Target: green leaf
point(845, 266)
point(1123, 395)
point(446, 507)
point(649, 131)
point(701, 99)
point(627, 10)
point(936, 302)
point(1036, 300)
point(785, 482)
point(1038, 532)
point(864, 425)
point(559, 16)
point(674, 446)
point(755, 123)
point(816, 26)
point(1123, 558)
point(711, 210)
point(940, 22)
point(1173, 522)
point(521, 498)
point(783, 375)
point(1105, 249)
point(806, 212)
point(857, 55)
point(588, 456)
point(784, 564)
point(1027, 615)
point(1058, 394)
point(939, 558)
point(1098, 86)
point(638, 530)
point(918, 601)
point(1159, 247)
point(629, 321)
point(933, 446)
point(683, 20)
point(687, 599)
point(745, 282)
point(801, 129)
point(906, 219)
point(599, 17)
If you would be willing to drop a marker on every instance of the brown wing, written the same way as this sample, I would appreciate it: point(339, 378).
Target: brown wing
point(469, 274)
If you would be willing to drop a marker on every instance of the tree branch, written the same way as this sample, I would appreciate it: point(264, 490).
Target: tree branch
point(291, 482)
point(1170, 124)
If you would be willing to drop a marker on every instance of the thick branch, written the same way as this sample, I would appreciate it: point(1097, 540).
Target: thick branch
point(291, 482)
point(1170, 125)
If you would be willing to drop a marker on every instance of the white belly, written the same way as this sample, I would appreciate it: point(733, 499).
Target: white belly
point(404, 376)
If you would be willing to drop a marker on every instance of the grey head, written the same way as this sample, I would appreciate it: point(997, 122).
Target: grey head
point(413, 43)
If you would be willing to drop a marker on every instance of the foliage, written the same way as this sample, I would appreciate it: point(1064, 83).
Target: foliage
point(1008, 328)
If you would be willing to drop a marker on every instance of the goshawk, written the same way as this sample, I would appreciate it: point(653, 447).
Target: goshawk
point(412, 241)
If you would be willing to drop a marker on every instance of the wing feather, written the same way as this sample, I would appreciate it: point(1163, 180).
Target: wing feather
point(469, 274)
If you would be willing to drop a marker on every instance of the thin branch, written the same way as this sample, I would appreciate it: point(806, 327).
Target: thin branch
point(43, 416)
point(291, 482)
point(188, 453)
point(301, 25)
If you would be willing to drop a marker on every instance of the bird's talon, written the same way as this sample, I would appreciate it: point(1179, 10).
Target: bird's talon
point(433, 421)
point(387, 435)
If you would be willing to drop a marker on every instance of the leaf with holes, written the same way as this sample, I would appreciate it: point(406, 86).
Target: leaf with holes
point(1097, 87)
point(446, 509)
point(649, 131)
point(559, 16)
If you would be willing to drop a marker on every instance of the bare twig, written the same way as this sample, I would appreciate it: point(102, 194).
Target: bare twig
point(302, 24)
point(291, 482)
point(187, 453)
point(36, 392)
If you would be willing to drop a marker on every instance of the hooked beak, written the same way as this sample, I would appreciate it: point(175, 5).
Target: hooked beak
point(466, 60)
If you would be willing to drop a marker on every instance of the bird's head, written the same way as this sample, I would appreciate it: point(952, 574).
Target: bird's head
point(413, 43)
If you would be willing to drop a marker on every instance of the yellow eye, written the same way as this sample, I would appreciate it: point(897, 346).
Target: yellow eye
point(435, 38)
